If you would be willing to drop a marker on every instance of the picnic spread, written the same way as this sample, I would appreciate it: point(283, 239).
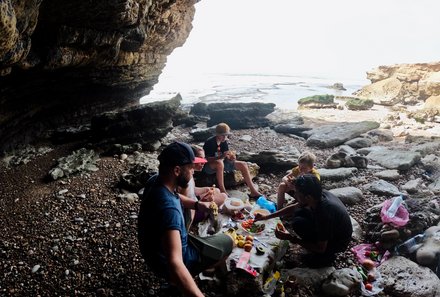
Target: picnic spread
point(257, 249)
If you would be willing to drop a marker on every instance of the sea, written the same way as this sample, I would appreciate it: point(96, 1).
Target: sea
point(283, 90)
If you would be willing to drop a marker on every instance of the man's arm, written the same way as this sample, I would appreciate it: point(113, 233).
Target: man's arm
point(179, 274)
point(191, 204)
point(288, 210)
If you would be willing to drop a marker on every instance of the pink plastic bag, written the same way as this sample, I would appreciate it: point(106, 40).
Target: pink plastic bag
point(360, 251)
point(401, 217)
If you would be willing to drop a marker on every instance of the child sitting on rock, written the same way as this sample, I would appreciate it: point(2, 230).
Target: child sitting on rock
point(306, 163)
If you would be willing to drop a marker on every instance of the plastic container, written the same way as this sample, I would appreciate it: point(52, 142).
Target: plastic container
point(392, 210)
point(266, 204)
point(411, 245)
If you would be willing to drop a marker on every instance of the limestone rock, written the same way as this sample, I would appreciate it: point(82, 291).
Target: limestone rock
point(333, 135)
point(359, 104)
point(389, 175)
point(383, 188)
point(62, 62)
point(317, 101)
point(412, 186)
point(402, 277)
point(348, 195)
point(359, 142)
point(394, 159)
point(336, 174)
point(82, 160)
point(342, 282)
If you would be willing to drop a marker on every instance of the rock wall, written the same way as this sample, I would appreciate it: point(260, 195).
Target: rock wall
point(403, 83)
point(63, 61)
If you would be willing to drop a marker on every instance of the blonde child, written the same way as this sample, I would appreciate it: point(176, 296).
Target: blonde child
point(306, 163)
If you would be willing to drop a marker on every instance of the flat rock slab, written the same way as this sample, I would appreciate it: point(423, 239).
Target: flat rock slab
point(333, 135)
point(390, 175)
point(383, 188)
point(348, 195)
point(394, 159)
point(336, 174)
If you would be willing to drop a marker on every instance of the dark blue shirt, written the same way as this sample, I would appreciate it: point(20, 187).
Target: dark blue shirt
point(161, 211)
point(210, 147)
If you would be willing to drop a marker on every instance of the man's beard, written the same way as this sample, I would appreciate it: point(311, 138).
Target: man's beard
point(182, 182)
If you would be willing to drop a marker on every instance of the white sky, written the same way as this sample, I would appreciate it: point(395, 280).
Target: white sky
point(336, 38)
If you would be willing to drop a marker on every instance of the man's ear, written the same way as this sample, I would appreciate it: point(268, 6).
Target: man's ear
point(176, 170)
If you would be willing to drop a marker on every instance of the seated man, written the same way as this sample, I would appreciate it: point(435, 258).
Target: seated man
point(319, 218)
point(220, 159)
point(163, 240)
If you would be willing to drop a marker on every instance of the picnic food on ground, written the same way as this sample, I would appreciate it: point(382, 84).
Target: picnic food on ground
point(252, 227)
point(280, 227)
point(240, 243)
point(235, 203)
point(260, 250)
point(248, 247)
point(263, 212)
point(249, 237)
point(214, 208)
point(237, 216)
point(368, 264)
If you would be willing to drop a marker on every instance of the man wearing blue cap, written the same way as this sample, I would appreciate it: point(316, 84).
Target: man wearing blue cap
point(163, 240)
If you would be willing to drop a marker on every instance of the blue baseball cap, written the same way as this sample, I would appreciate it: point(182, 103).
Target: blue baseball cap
point(179, 154)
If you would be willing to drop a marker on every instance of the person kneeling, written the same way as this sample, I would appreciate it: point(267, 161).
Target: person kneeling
point(320, 220)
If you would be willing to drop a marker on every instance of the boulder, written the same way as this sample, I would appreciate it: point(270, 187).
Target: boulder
point(317, 101)
point(358, 234)
point(333, 135)
point(82, 160)
point(280, 160)
point(291, 129)
point(285, 117)
point(359, 142)
point(141, 167)
point(341, 159)
point(240, 115)
point(342, 282)
point(359, 104)
point(309, 277)
point(336, 174)
point(383, 188)
point(403, 277)
point(412, 186)
point(381, 135)
point(348, 195)
point(389, 175)
point(202, 134)
point(394, 159)
point(428, 253)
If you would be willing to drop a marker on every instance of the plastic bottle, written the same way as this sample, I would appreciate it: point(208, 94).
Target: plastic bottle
point(391, 212)
point(271, 282)
point(411, 245)
point(266, 204)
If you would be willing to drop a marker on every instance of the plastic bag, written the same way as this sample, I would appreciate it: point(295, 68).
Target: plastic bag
point(401, 217)
point(377, 284)
point(364, 251)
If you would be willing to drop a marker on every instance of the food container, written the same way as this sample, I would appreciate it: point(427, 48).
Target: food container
point(234, 204)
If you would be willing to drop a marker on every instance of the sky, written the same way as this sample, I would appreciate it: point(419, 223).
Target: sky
point(340, 38)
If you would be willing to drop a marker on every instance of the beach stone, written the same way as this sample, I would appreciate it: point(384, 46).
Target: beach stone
point(382, 135)
point(403, 277)
point(240, 115)
point(347, 150)
point(82, 160)
point(412, 186)
point(348, 195)
point(285, 117)
point(141, 167)
point(342, 282)
point(246, 138)
point(359, 142)
point(428, 253)
point(308, 276)
point(390, 235)
point(333, 135)
point(435, 186)
point(394, 159)
point(336, 174)
point(366, 150)
point(389, 175)
point(430, 147)
point(341, 159)
point(383, 188)
point(431, 163)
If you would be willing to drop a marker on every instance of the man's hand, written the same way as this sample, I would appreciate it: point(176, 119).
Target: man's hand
point(284, 235)
point(208, 195)
point(205, 206)
point(259, 217)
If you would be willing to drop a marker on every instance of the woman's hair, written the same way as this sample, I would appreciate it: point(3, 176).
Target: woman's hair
point(308, 184)
point(307, 158)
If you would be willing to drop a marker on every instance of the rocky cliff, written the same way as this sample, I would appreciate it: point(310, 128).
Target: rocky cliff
point(63, 61)
point(404, 83)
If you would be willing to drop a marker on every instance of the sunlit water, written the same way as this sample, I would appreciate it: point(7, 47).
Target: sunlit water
point(283, 90)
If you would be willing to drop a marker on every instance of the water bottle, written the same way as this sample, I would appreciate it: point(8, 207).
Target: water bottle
point(266, 204)
point(391, 212)
point(411, 245)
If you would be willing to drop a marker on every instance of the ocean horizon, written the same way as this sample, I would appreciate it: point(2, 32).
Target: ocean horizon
point(281, 89)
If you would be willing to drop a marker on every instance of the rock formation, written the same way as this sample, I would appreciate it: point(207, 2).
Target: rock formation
point(63, 61)
point(403, 83)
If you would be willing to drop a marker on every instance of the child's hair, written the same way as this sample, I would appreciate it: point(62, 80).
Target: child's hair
point(307, 158)
point(196, 149)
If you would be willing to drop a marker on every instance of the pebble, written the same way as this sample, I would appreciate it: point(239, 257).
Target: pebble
point(63, 192)
point(35, 268)
point(82, 196)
